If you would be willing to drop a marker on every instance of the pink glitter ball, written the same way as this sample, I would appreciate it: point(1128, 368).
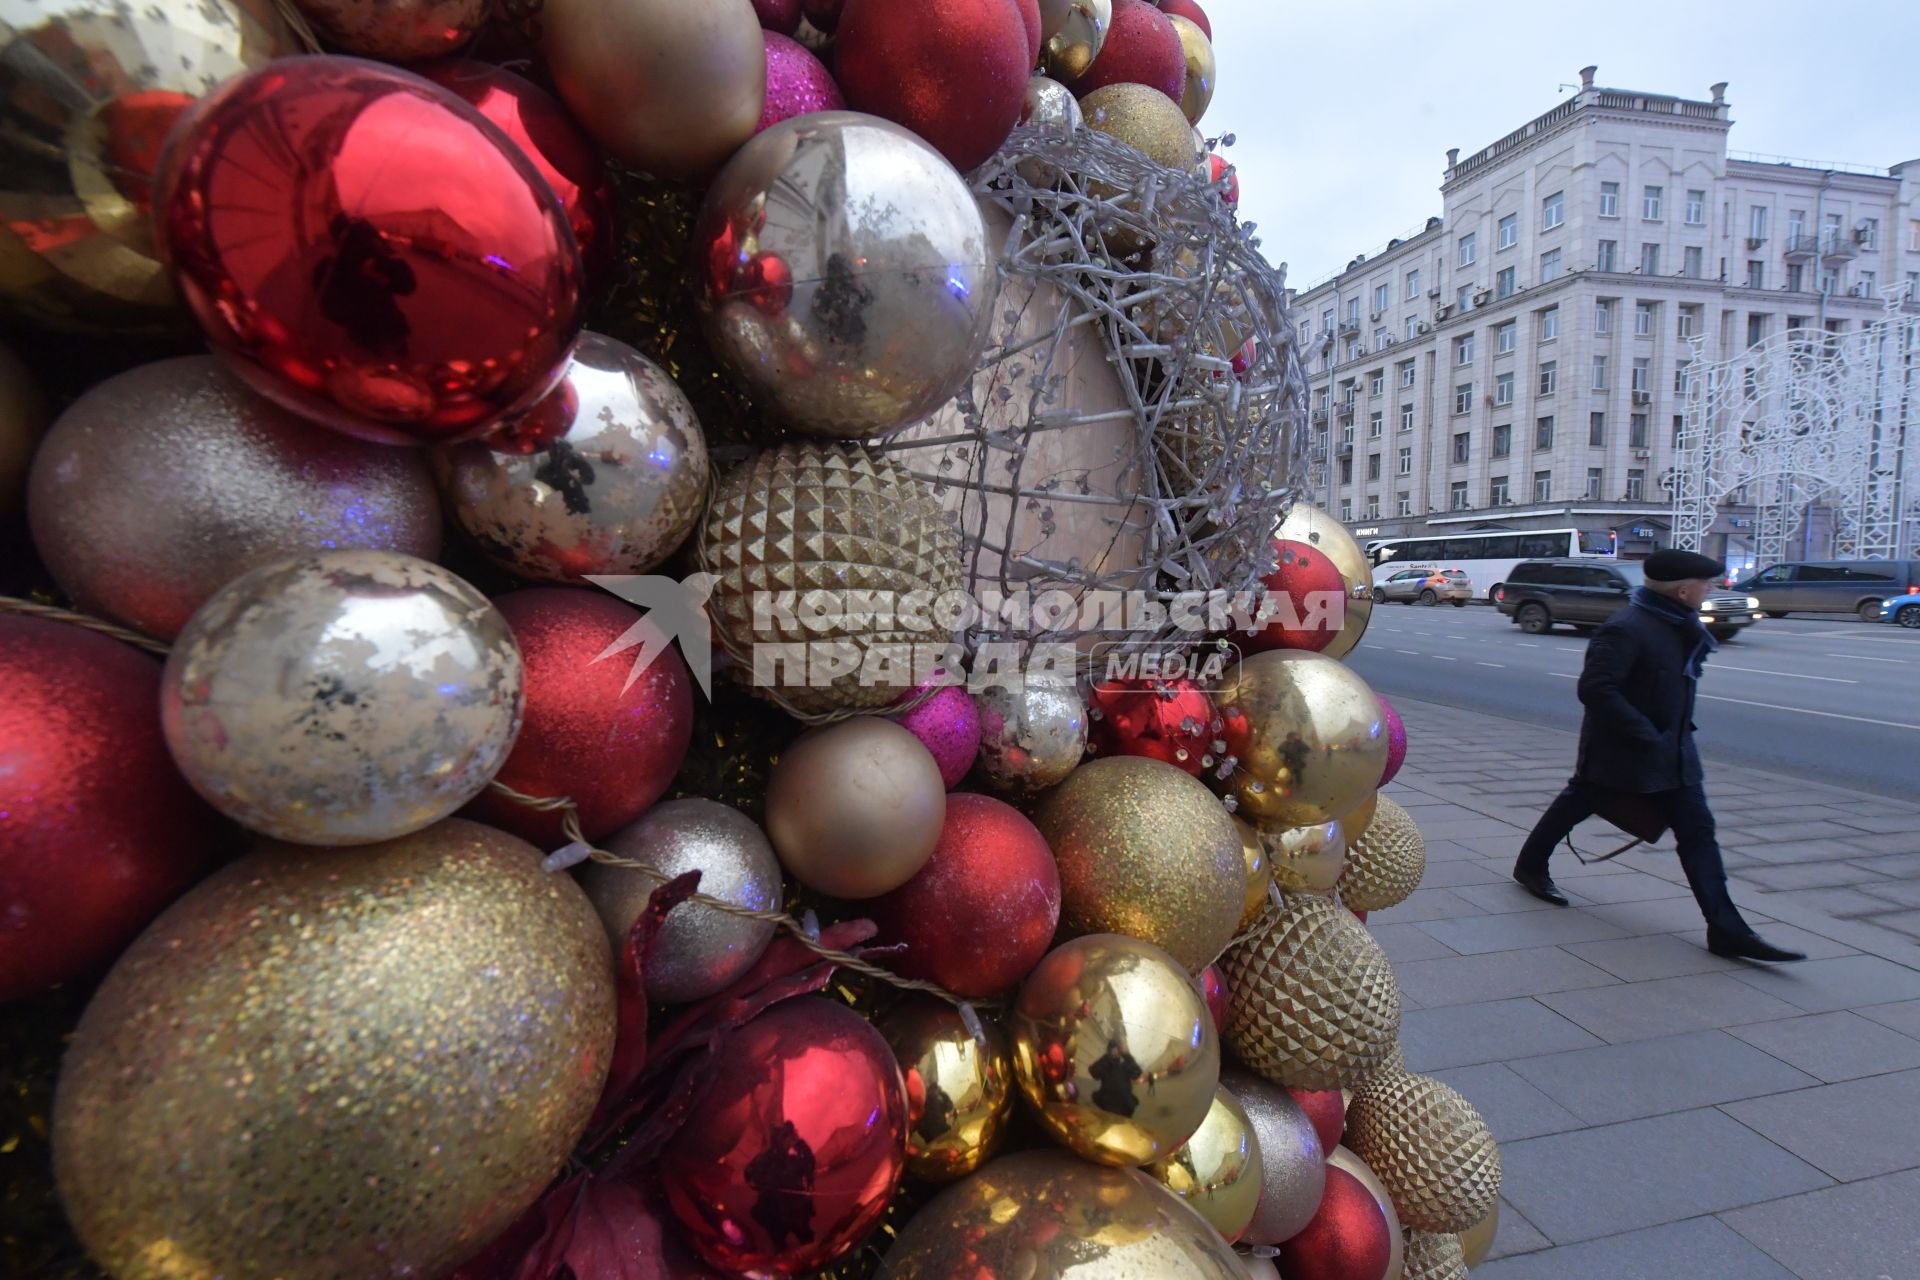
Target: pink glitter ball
point(1396, 741)
point(949, 725)
point(797, 83)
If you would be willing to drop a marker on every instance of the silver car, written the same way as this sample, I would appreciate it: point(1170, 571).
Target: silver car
point(1426, 585)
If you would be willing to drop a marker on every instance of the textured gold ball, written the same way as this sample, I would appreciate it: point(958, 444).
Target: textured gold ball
point(1198, 52)
point(1434, 1255)
point(1476, 1242)
point(1429, 1147)
point(959, 1089)
point(1145, 119)
point(836, 520)
point(1315, 1002)
point(1306, 859)
point(1306, 736)
point(855, 809)
point(1385, 865)
point(1146, 850)
point(1316, 528)
point(1218, 1169)
point(331, 1064)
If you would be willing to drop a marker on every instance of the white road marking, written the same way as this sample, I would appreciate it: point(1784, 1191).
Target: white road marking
point(1527, 644)
point(1564, 675)
point(1414, 652)
point(1809, 711)
point(1501, 665)
point(1790, 675)
point(1861, 657)
point(1441, 657)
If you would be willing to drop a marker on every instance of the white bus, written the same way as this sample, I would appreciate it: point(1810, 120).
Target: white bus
point(1486, 558)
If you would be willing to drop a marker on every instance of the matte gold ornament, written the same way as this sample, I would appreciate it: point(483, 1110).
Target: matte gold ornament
point(1293, 1164)
point(1385, 865)
point(1253, 852)
point(1073, 38)
point(959, 1088)
point(1198, 52)
point(1218, 1169)
point(1476, 1242)
point(1355, 824)
point(854, 809)
point(1033, 733)
point(1146, 850)
point(1043, 1215)
point(833, 519)
point(342, 698)
point(88, 90)
point(1344, 1159)
point(1316, 528)
point(1307, 859)
point(397, 30)
point(1430, 1148)
point(664, 86)
point(1114, 1049)
point(1434, 1256)
point(1145, 119)
point(612, 481)
point(331, 1064)
point(23, 416)
point(1305, 734)
point(1315, 1002)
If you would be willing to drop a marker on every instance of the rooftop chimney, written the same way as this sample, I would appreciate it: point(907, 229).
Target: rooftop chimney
point(1720, 93)
point(1586, 77)
point(1453, 156)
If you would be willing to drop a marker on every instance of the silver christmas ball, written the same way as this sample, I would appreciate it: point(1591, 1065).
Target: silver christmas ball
point(1032, 733)
point(1293, 1166)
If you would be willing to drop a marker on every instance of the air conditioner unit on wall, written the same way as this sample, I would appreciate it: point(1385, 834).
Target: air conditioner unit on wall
point(1441, 313)
point(1422, 327)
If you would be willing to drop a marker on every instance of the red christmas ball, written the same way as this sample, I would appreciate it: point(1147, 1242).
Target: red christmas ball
point(1030, 15)
point(797, 1144)
point(613, 746)
point(365, 248)
point(1306, 594)
point(1328, 1111)
point(1218, 168)
point(1189, 10)
point(98, 830)
point(536, 123)
point(782, 16)
point(953, 71)
point(1142, 48)
point(1213, 987)
point(797, 83)
point(1396, 741)
point(981, 913)
point(1348, 1238)
point(1173, 721)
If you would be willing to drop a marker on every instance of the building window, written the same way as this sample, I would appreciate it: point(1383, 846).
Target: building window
point(1376, 382)
point(1463, 398)
point(1346, 471)
point(1412, 291)
point(1549, 377)
point(1549, 266)
point(1553, 211)
point(1913, 235)
point(1509, 231)
point(1373, 507)
point(1376, 424)
point(1757, 222)
point(1679, 425)
point(1609, 256)
point(1649, 259)
point(1696, 208)
point(1681, 375)
point(1830, 234)
point(1503, 283)
point(1403, 504)
point(1796, 278)
point(1506, 337)
point(1503, 388)
point(1461, 446)
point(1549, 324)
point(1406, 462)
point(1326, 320)
point(1497, 492)
point(1502, 440)
point(1690, 262)
point(1413, 328)
point(1597, 431)
point(1406, 417)
point(1643, 319)
point(1463, 349)
point(1346, 510)
point(1913, 288)
point(1543, 486)
point(1637, 431)
point(1650, 202)
point(1603, 316)
point(1642, 375)
point(1353, 310)
point(1346, 434)
point(1595, 478)
point(1382, 297)
point(1463, 299)
point(1796, 223)
point(1869, 285)
point(1353, 350)
point(1609, 199)
point(1406, 373)
point(1457, 495)
point(1380, 338)
point(1599, 373)
point(1466, 250)
point(1688, 323)
point(1756, 273)
point(1636, 484)
point(1373, 466)
point(1543, 432)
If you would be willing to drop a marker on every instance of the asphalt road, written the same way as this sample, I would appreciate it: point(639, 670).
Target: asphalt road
point(1828, 699)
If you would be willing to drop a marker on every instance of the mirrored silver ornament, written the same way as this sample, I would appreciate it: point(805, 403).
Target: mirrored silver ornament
point(1032, 732)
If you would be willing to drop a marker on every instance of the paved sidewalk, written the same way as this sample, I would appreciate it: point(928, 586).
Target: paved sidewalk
point(1662, 1112)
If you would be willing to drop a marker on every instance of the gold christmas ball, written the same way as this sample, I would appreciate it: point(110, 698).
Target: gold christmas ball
point(1316, 528)
point(1385, 865)
point(1343, 1159)
point(92, 87)
point(331, 1064)
point(1306, 859)
point(1033, 733)
point(1218, 1169)
point(854, 809)
point(804, 541)
point(1145, 119)
point(1355, 824)
point(396, 30)
point(1253, 853)
point(1315, 1002)
point(1429, 1147)
point(1476, 1242)
point(1146, 850)
point(1198, 52)
point(1114, 1049)
point(23, 416)
point(1393, 1063)
point(1434, 1255)
point(662, 85)
point(1075, 31)
point(1306, 736)
point(1043, 1215)
point(959, 1089)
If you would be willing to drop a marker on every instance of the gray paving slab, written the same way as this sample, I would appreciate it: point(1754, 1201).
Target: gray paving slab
point(1835, 1046)
point(1808, 875)
point(1440, 852)
point(1597, 1182)
point(1501, 896)
point(1660, 955)
point(1429, 904)
point(1843, 902)
point(1666, 1006)
point(1903, 1016)
point(1515, 930)
point(1496, 1031)
point(1459, 872)
point(1515, 1235)
point(1651, 1077)
point(1500, 975)
point(1902, 922)
point(1669, 915)
point(1700, 1248)
point(1844, 982)
point(1405, 943)
point(1512, 1108)
point(1861, 1231)
point(1852, 1130)
point(1634, 886)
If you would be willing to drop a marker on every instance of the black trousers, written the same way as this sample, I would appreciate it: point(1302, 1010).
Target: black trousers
point(1686, 811)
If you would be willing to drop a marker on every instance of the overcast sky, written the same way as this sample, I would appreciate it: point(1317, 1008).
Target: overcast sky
point(1343, 111)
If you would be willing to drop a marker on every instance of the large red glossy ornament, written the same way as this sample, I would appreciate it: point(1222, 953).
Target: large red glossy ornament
point(1190, 11)
point(1396, 740)
point(1213, 989)
point(782, 16)
point(534, 121)
point(1306, 594)
point(98, 830)
point(1169, 720)
point(612, 746)
point(1142, 48)
point(1030, 18)
point(796, 1144)
point(797, 83)
point(365, 248)
point(981, 913)
point(1348, 1239)
point(1327, 1109)
point(953, 71)
point(1218, 168)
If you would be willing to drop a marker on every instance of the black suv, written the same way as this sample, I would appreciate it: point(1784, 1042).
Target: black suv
point(1585, 593)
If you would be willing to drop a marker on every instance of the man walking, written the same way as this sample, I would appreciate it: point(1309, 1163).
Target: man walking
point(1638, 687)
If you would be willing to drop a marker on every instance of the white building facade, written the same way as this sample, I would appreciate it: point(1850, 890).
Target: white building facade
point(1521, 362)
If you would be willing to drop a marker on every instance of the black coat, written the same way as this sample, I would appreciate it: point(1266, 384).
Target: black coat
point(1638, 731)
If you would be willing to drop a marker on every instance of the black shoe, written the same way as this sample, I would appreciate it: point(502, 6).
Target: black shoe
point(1540, 885)
point(1752, 946)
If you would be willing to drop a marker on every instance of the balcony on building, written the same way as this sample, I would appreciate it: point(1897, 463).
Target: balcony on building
point(1802, 248)
point(1838, 248)
point(1349, 328)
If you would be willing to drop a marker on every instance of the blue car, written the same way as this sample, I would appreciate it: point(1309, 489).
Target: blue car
point(1902, 611)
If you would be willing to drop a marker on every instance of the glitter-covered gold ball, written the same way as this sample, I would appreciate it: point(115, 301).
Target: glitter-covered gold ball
point(1145, 119)
point(1384, 866)
point(1434, 1255)
point(1315, 1002)
point(1430, 1148)
point(334, 1064)
point(1146, 850)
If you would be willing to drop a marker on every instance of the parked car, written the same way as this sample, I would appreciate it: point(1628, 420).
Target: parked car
point(1831, 586)
point(1585, 593)
point(1903, 611)
point(1425, 584)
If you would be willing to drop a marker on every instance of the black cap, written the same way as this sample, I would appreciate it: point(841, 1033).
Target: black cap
point(1674, 565)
